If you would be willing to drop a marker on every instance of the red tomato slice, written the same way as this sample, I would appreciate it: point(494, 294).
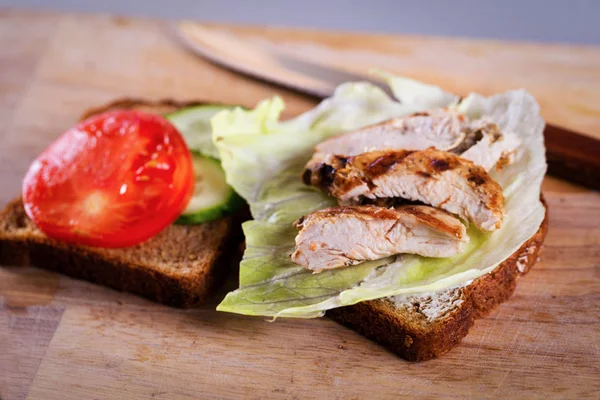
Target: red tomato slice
point(114, 180)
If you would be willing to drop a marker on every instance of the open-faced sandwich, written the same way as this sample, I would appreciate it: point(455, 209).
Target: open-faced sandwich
point(402, 218)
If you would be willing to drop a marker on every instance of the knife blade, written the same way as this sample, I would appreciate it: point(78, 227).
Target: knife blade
point(572, 156)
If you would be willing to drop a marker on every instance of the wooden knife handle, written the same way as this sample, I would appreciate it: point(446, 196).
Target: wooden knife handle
point(573, 156)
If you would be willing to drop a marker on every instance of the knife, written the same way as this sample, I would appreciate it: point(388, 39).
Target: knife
point(571, 156)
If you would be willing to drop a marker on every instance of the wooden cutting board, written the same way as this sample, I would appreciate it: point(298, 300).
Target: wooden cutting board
point(65, 339)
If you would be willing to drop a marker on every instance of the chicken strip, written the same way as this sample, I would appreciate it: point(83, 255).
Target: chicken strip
point(492, 148)
point(442, 128)
point(480, 141)
point(347, 235)
point(433, 177)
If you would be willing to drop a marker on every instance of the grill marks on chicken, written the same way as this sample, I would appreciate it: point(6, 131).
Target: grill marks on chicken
point(437, 158)
point(433, 177)
point(347, 235)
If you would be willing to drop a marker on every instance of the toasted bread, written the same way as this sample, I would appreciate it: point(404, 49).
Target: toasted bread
point(178, 267)
point(420, 328)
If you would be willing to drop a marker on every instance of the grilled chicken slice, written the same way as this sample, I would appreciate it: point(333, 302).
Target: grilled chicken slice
point(433, 177)
point(490, 147)
point(480, 141)
point(347, 235)
point(442, 128)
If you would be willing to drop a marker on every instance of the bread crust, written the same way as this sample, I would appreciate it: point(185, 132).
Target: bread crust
point(411, 337)
point(139, 270)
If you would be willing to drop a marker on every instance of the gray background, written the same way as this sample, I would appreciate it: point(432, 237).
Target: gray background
point(575, 21)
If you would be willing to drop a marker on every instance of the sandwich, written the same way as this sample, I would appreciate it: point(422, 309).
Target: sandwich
point(402, 218)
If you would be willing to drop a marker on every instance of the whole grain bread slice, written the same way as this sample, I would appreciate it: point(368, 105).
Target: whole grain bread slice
point(419, 328)
point(179, 267)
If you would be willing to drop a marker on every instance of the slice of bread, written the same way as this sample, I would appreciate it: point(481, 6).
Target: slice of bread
point(179, 267)
point(420, 328)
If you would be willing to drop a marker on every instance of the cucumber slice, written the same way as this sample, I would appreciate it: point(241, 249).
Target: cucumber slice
point(194, 125)
point(213, 198)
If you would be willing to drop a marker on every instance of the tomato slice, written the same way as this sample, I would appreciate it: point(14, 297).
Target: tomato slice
point(114, 180)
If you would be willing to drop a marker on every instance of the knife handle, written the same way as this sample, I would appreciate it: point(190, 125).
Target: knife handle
point(573, 156)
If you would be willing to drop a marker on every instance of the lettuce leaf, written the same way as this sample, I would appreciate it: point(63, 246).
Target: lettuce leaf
point(264, 157)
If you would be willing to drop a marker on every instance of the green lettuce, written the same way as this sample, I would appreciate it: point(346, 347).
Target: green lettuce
point(264, 157)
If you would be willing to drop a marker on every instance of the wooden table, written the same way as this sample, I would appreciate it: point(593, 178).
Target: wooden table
point(65, 339)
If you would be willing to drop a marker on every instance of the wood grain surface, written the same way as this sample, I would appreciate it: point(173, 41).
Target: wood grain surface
point(66, 339)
